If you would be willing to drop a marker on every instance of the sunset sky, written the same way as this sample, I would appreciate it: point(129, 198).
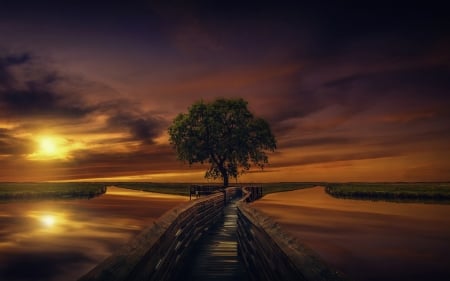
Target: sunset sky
point(352, 93)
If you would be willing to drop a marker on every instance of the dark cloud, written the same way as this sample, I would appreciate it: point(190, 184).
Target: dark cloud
point(52, 96)
point(421, 139)
point(344, 82)
point(331, 158)
point(16, 59)
point(36, 101)
point(148, 158)
point(10, 145)
point(359, 85)
point(320, 141)
point(140, 127)
point(6, 78)
point(406, 82)
point(35, 97)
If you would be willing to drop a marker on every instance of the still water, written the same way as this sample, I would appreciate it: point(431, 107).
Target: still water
point(63, 239)
point(367, 240)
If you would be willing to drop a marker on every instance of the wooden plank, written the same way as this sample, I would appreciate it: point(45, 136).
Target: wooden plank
point(158, 251)
point(216, 256)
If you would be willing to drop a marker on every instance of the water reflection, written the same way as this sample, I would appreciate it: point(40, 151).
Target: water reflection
point(367, 240)
point(60, 240)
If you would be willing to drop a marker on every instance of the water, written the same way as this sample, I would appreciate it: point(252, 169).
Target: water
point(367, 240)
point(63, 239)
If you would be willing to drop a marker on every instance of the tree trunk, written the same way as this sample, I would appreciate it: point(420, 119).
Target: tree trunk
point(224, 173)
point(225, 180)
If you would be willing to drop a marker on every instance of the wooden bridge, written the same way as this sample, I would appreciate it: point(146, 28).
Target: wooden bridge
point(214, 237)
point(216, 257)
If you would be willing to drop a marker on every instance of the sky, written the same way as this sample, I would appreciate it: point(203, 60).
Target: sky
point(352, 91)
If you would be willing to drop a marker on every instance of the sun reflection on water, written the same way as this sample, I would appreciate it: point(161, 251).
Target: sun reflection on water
point(47, 220)
point(87, 231)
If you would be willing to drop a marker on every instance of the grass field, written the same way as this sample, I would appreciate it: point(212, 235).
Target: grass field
point(391, 191)
point(42, 190)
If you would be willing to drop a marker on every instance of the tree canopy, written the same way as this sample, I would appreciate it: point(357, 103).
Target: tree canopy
point(223, 133)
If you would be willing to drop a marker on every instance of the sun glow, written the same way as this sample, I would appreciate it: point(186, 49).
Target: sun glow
point(51, 147)
point(48, 220)
point(48, 146)
point(53, 221)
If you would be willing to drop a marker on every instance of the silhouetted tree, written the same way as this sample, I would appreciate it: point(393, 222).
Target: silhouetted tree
point(223, 133)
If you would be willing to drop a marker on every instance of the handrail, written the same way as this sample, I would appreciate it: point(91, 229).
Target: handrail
point(199, 190)
point(251, 195)
point(159, 250)
point(271, 254)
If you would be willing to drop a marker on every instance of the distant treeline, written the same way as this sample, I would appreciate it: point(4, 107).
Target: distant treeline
point(405, 192)
point(43, 190)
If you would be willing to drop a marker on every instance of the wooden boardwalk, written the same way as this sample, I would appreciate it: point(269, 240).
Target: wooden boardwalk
point(216, 254)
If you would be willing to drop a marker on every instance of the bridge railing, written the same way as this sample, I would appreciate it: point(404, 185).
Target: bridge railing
point(197, 191)
point(157, 252)
point(271, 254)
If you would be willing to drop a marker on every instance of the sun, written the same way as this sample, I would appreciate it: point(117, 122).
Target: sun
point(48, 220)
point(51, 147)
point(48, 146)
point(54, 147)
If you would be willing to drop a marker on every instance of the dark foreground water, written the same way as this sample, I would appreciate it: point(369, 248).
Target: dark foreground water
point(367, 240)
point(61, 240)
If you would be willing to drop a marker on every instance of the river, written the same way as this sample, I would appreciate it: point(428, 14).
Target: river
point(367, 240)
point(57, 240)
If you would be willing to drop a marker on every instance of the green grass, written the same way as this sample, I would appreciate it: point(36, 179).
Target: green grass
point(43, 190)
point(425, 192)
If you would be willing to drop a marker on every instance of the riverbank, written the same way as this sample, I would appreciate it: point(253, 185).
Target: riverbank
point(399, 192)
point(367, 240)
point(42, 190)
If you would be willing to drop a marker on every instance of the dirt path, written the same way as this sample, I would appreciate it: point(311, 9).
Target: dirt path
point(364, 239)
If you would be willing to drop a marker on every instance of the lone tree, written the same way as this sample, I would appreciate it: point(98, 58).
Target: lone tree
point(223, 133)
